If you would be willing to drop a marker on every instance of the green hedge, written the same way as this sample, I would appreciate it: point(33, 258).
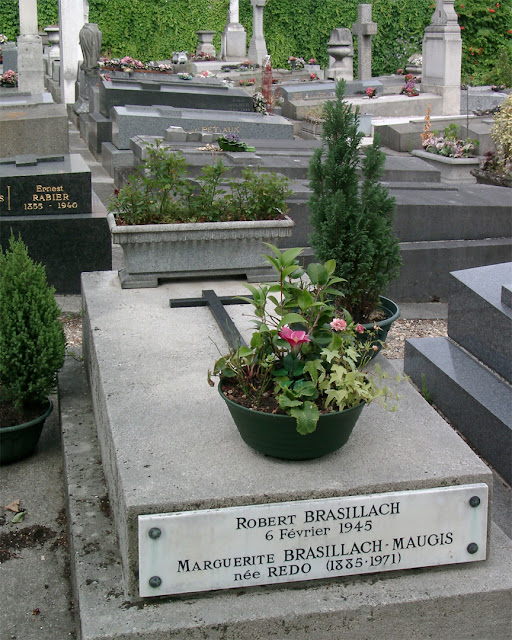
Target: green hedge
point(153, 29)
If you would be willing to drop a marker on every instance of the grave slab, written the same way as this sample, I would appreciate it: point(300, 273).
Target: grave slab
point(181, 94)
point(128, 122)
point(145, 420)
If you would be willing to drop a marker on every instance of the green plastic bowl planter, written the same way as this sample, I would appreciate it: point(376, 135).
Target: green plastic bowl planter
point(20, 441)
point(277, 436)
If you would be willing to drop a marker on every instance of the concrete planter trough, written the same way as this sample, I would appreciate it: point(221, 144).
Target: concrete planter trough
point(201, 249)
point(453, 170)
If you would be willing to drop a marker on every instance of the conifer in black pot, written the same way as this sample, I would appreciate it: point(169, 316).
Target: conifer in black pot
point(32, 349)
point(352, 222)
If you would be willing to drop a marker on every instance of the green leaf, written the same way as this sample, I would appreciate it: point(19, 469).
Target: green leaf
point(307, 417)
point(318, 273)
point(290, 318)
point(19, 517)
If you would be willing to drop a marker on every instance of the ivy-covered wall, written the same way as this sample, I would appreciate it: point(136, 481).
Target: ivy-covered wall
point(153, 29)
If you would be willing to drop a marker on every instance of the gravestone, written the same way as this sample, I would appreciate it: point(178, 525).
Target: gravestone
point(266, 83)
point(30, 49)
point(468, 376)
point(10, 56)
point(48, 200)
point(73, 14)
point(233, 37)
point(257, 45)
point(28, 127)
point(364, 28)
point(128, 122)
point(442, 54)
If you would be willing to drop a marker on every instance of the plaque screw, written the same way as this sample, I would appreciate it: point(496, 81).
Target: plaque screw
point(154, 533)
point(155, 581)
point(472, 547)
point(474, 501)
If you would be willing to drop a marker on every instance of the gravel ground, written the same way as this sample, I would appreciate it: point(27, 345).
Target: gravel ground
point(399, 332)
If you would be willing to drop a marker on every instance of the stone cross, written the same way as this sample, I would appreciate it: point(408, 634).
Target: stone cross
point(233, 12)
point(364, 29)
point(257, 46)
point(30, 50)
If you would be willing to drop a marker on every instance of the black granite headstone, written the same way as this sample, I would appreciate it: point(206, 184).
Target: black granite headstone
point(49, 185)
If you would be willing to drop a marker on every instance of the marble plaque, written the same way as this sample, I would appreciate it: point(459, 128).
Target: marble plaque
point(274, 543)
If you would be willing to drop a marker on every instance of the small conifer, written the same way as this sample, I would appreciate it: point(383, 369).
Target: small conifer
point(352, 223)
point(32, 341)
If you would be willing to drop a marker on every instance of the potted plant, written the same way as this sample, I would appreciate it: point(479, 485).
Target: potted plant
point(169, 226)
point(452, 155)
point(352, 223)
point(32, 348)
point(496, 167)
point(298, 389)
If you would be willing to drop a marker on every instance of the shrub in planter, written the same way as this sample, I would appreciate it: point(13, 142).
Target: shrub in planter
point(32, 342)
point(352, 223)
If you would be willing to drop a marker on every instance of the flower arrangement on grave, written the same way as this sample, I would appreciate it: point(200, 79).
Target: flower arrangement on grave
point(400, 72)
point(159, 192)
point(184, 76)
point(496, 167)
point(9, 79)
point(128, 64)
point(232, 142)
point(201, 56)
point(448, 144)
point(312, 61)
point(371, 92)
point(32, 349)
point(353, 223)
point(259, 103)
point(409, 88)
point(3, 39)
point(313, 76)
point(205, 74)
point(305, 357)
point(244, 82)
point(296, 63)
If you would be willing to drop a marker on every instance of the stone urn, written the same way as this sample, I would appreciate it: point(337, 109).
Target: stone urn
point(205, 42)
point(53, 34)
point(341, 53)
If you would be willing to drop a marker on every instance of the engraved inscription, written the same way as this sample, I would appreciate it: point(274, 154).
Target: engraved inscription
point(311, 539)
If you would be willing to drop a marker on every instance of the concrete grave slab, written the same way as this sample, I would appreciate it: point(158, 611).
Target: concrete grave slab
point(135, 345)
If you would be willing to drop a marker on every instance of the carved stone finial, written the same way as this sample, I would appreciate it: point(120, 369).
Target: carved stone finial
point(90, 42)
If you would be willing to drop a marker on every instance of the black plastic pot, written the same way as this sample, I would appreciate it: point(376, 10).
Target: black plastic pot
point(20, 441)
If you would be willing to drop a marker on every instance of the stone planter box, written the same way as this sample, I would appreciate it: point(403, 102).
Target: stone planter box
point(203, 249)
point(453, 170)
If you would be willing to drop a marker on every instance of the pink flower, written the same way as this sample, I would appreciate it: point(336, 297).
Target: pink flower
point(338, 324)
point(294, 338)
point(359, 328)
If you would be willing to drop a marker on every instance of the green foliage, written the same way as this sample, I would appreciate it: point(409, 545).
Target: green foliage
point(501, 134)
point(352, 225)
point(32, 342)
point(315, 367)
point(486, 30)
point(160, 192)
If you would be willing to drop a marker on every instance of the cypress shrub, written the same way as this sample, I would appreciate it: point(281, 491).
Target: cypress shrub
point(32, 341)
point(352, 223)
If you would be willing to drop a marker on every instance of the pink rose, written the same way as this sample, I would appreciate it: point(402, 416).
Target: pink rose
point(294, 338)
point(359, 328)
point(338, 324)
